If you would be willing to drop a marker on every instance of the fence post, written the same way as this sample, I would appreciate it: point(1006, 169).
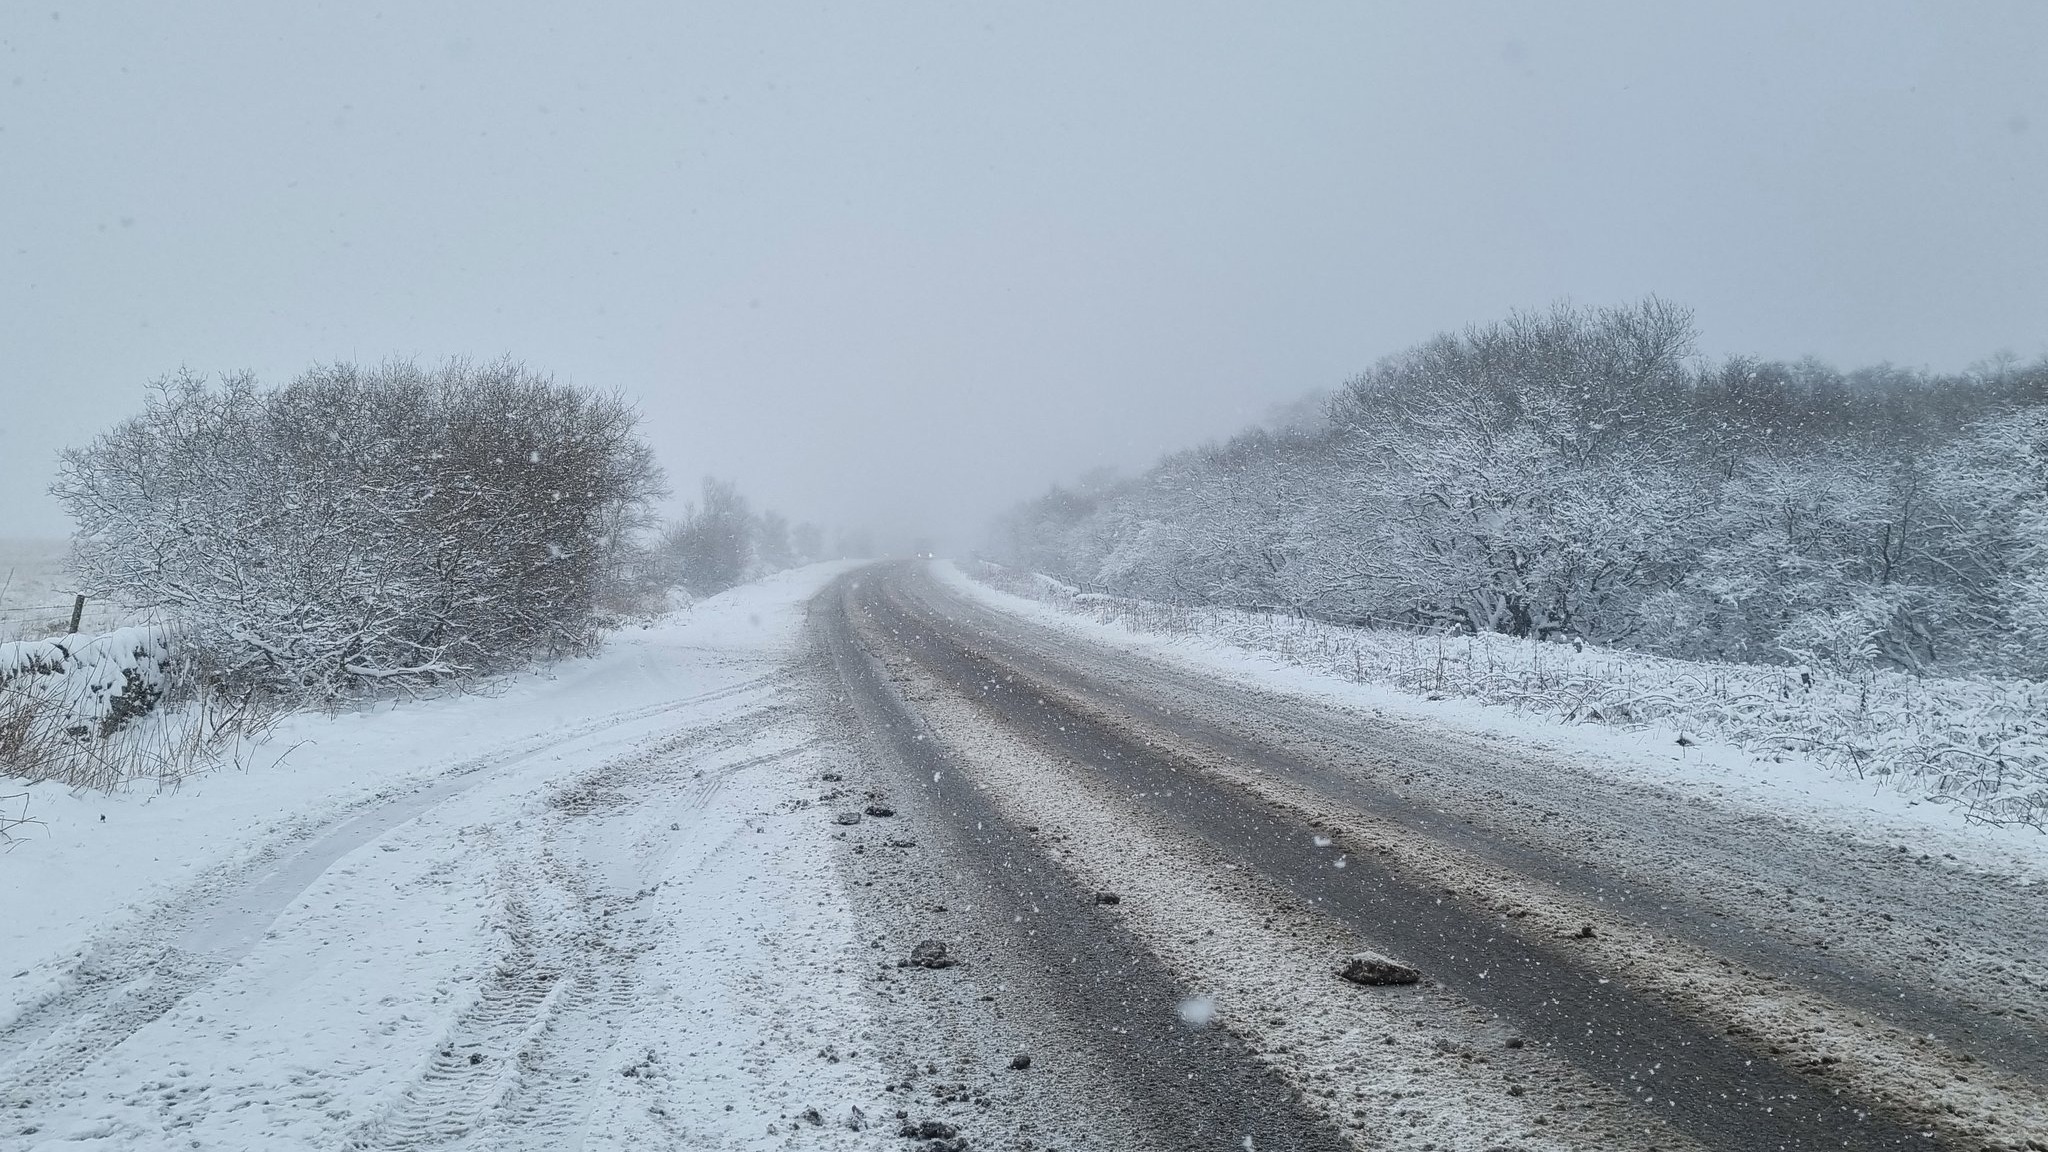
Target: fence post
point(77, 612)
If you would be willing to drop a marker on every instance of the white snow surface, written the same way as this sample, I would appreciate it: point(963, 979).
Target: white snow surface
point(1784, 785)
point(84, 674)
point(584, 909)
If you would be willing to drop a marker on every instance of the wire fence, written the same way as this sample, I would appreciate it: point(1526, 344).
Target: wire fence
point(41, 621)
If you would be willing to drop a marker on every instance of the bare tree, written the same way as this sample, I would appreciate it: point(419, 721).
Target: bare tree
point(712, 546)
point(773, 551)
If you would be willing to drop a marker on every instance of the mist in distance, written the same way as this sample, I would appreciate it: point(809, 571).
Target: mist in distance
point(901, 267)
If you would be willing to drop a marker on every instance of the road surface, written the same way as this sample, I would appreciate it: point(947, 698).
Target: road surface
point(1604, 965)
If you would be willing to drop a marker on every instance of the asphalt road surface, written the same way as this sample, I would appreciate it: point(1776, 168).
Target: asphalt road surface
point(1150, 878)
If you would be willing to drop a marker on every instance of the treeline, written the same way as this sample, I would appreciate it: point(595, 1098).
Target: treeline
point(720, 542)
point(1579, 475)
point(369, 527)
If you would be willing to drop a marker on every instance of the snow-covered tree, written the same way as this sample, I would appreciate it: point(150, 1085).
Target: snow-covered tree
point(363, 526)
point(1574, 474)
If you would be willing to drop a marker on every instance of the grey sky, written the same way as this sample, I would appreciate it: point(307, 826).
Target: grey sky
point(905, 263)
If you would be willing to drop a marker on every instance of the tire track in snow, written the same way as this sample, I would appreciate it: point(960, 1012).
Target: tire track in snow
point(525, 1065)
point(474, 1063)
point(548, 1099)
point(128, 980)
point(702, 794)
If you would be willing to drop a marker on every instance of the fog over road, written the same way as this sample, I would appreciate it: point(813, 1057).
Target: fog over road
point(1604, 964)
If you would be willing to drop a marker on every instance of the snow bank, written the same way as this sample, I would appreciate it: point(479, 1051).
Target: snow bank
point(98, 683)
point(1979, 744)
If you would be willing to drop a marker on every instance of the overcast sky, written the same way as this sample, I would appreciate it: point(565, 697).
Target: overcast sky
point(903, 264)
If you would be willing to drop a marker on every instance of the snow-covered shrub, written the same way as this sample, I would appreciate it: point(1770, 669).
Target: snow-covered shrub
point(362, 526)
point(1574, 475)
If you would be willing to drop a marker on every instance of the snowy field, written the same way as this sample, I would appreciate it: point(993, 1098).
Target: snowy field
point(571, 908)
point(36, 600)
point(1499, 700)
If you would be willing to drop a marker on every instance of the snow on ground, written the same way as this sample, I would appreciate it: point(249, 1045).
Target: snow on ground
point(575, 908)
point(1785, 785)
point(97, 860)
